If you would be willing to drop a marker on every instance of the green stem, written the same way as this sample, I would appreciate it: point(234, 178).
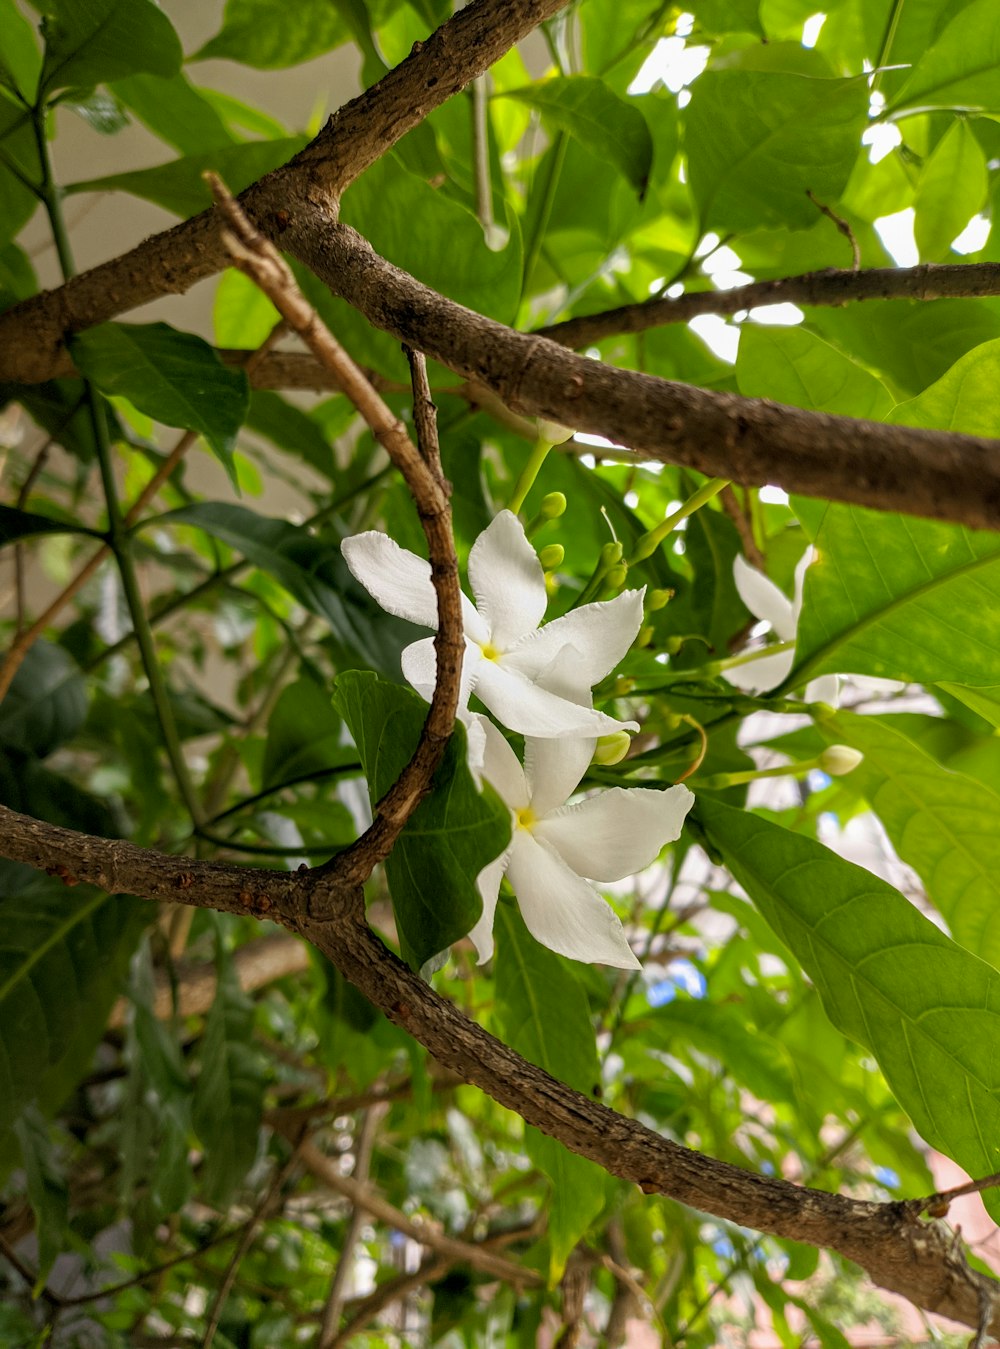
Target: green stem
point(648, 544)
point(887, 41)
point(52, 197)
point(526, 480)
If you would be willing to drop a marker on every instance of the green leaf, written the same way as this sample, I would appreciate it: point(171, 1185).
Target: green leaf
point(180, 185)
point(607, 125)
point(15, 524)
point(20, 56)
point(46, 704)
point(758, 141)
point(940, 822)
point(292, 429)
point(310, 569)
point(242, 314)
point(961, 69)
point(753, 1058)
point(889, 979)
point(543, 1013)
point(451, 836)
point(985, 702)
point(434, 238)
point(47, 1190)
point(63, 954)
point(90, 42)
point(963, 399)
point(20, 171)
point(173, 109)
point(270, 34)
point(172, 376)
point(229, 1097)
point(886, 597)
point(952, 188)
point(304, 734)
point(793, 366)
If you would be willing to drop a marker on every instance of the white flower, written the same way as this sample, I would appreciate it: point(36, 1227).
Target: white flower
point(554, 846)
point(507, 655)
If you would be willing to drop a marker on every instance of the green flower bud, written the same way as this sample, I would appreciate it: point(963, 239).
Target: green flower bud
point(657, 599)
point(623, 686)
point(552, 505)
point(673, 644)
point(611, 749)
point(615, 577)
point(645, 636)
point(839, 760)
point(551, 555)
point(611, 553)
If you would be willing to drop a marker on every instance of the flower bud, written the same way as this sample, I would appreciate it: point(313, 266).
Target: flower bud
point(552, 433)
point(839, 760)
point(551, 555)
point(673, 644)
point(553, 505)
point(657, 599)
point(615, 577)
point(623, 686)
point(611, 749)
point(645, 635)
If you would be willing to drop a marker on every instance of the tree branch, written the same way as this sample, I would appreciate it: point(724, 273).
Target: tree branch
point(32, 333)
point(750, 440)
point(832, 286)
point(922, 1261)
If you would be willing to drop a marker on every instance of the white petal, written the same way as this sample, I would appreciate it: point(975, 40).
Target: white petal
point(601, 633)
point(502, 769)
point(398, 579)
point(618, 832)
point(507, 581)
point(419, 664)
point(553, 767)
point(488, 883)
point(561, 910)
point(803, 565)
point(763, 598)
point(522, 706)
point(759, 676)
point(825, 689)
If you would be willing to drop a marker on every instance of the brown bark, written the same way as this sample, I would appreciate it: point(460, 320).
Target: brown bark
point(920, 1260)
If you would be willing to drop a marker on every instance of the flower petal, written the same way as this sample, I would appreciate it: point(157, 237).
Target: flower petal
point(618, 832)
point(826, 689)
point(763, 598)
point(801, 567)
point(553, 767)
point(488, 883)
point(758, 676)
point(525, 707)
point(398, 579)
point(502, 769)
point(507, 581)
point(601, 632)
point(419, 665)
point(561, 910)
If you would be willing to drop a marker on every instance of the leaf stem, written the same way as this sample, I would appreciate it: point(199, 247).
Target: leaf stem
point(647, 545)
point(526, 480)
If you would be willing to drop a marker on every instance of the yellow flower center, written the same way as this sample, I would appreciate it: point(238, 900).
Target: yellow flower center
point(525, 819)
point(490, 651)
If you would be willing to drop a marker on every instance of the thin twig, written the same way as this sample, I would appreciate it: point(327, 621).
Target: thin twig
point(370, 1120)
point(257, 258)
point(432, 1269)
point(16, 1263)
point(942, 1198)
point(842, 226)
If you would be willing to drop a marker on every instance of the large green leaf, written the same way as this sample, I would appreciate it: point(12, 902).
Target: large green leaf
point(180, 186)
point(942, 823)
point(172, 376)
point(963, 399)
point(270, 34)
point(309, 568)
point(229, 1097)
point(20, 57)
point(793, 366)
point(891, 596)
point(20, 171)
point(89, 42)
point(451, 836)
point(952, 188)
point(962, 68)
point(63, 954)
point(46, 704)
point(173, 109)
point(757, 141)
point(304, 734)
point(542, 1008)
point(609, 126)
point(889, 979)
point(436, 239)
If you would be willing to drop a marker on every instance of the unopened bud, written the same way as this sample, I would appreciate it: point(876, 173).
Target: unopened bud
point(645, 636)
point(623, 686)
point(615, 577)
point(611, 553)
point(673, 644)
point(552, 432)
point(551, 556)
point(553, 505)
point(839, 760)
point(657, 599)
point(611, 749)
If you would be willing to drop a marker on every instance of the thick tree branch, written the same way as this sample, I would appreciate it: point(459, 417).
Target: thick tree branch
point(922, 1261)
point(833, 286)
point(32, 333)
point(749, 440)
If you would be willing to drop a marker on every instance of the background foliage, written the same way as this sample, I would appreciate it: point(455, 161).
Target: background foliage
point(202, 692)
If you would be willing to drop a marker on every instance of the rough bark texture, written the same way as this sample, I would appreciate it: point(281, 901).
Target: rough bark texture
point(921, 1260)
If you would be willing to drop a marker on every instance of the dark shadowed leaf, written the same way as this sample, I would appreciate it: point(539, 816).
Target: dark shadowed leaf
point(89, 42)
